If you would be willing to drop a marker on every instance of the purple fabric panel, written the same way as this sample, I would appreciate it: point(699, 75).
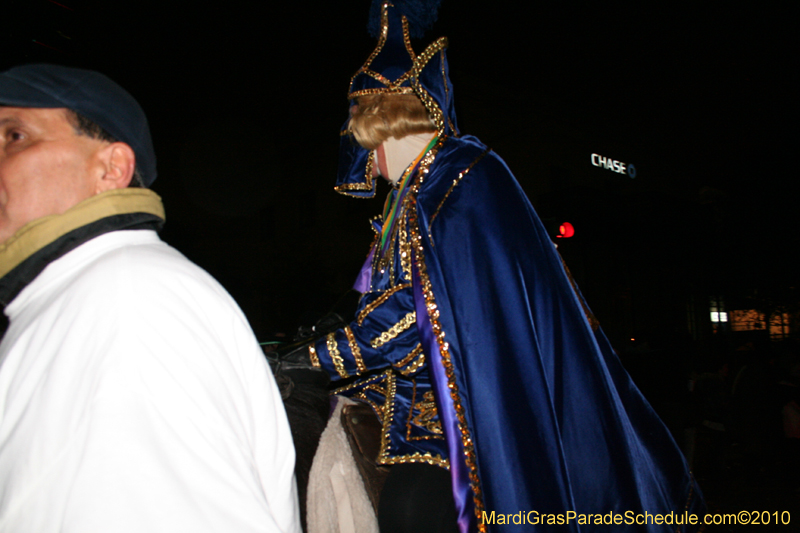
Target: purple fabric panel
point(365, 276)
point(462, 492)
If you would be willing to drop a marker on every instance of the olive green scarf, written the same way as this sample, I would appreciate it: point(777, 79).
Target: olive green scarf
point(26, 253)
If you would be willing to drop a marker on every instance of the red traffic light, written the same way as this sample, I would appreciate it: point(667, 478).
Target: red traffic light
point(565, 231)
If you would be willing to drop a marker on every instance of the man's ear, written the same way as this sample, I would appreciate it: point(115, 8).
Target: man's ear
point(119, 162)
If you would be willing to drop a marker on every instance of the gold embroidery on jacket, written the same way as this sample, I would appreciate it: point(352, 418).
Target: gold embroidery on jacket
point(428, 415)
point(413, 365)
point(333, 351)
point(312, 353)
point(404, 250)
point(416, 457)
point(404, 323)
point(386, 389)
point(382, 263)
point(378, 408)
point(410, 357)
point(351, 340)
point(383, 384)
point(379, 301)
point(388, 415)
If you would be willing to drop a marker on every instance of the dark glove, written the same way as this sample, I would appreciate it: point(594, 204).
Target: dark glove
point(294, 361)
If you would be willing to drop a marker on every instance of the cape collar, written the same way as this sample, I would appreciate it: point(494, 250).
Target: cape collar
point(26, 253)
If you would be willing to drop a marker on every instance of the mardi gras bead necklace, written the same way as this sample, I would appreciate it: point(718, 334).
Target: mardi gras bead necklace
point(393, 204)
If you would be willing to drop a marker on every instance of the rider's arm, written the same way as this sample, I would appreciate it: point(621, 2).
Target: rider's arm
point(384, 333)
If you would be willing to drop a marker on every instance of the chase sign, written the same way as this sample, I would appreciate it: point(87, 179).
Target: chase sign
point(619, 167)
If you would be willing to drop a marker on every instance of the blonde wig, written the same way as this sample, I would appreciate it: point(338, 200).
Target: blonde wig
point(376, 117)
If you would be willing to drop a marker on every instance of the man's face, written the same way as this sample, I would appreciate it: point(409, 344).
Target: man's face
point(46, 167)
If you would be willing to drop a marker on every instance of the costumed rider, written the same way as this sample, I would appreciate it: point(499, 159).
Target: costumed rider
point(133, 393)
point(470, 342)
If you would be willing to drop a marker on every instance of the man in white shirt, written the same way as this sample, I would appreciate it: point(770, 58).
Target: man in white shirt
point(133, 394)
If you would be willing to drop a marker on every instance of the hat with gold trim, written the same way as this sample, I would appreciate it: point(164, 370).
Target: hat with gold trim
point(394, 67)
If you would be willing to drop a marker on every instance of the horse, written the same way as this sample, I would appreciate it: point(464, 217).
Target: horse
point(310, 409)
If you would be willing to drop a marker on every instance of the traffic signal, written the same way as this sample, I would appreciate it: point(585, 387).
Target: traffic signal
point(557, 229)
point(565, 230)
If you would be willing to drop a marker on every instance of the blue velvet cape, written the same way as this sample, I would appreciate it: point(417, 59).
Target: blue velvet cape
point(538, 412)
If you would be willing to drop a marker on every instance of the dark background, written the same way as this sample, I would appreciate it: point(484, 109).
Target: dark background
point(245, 108)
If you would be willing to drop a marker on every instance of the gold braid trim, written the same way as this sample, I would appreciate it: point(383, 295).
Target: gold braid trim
point(378, 47)
point(407, 39)
point(378, 301)
point(388, 415)
point(436, 113)
point(333, 351)
point(312, 353)
point(393, 90)
point(404, 323)
point(384, 384)
point(428, 414)
point(405, 252)
point(421, 60)
point(410, 357)
point(414, 365)
point(351, 340)
point(361, 383)
point(366, 186)
point(416, 457)
point(376, 75)
point(444, 349)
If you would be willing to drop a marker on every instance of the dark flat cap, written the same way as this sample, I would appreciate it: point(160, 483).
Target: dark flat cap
point(88, 93)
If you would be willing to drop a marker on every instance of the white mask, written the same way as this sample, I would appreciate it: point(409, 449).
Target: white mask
point(400, 153)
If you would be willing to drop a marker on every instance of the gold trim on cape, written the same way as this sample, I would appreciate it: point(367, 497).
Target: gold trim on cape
point(365, 186)
point(444, 348)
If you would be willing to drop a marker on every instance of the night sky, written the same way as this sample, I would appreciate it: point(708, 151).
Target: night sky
point(245, 110)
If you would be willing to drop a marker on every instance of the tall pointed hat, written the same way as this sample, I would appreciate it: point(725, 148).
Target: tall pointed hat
point(394, 67)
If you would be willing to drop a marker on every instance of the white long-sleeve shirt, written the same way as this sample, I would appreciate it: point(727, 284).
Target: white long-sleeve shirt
point(134, 398)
